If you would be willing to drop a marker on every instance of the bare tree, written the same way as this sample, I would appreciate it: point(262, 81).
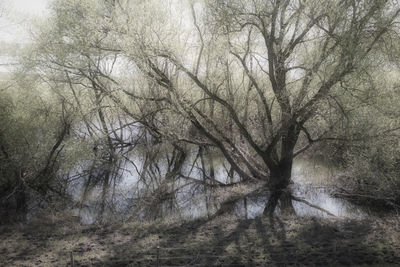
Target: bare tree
point(268, 68)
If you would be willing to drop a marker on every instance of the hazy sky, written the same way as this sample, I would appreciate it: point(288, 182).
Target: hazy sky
point(34, 7)
point(14, 23)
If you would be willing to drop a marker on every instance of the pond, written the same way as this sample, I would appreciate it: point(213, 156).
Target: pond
point(139, 190)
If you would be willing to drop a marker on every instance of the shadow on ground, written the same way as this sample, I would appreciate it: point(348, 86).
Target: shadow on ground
point(222, 241)
point(259, 242)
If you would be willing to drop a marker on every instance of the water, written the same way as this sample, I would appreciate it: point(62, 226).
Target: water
point(312, 183)
point(140, 192)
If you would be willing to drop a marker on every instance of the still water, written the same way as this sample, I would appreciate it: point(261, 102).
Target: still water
point(133, 195)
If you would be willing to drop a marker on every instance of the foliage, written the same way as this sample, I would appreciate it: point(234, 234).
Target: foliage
point(261, 81)
point(32, 130)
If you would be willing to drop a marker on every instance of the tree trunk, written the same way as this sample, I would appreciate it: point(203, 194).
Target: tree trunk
point(278, 186)
point(281, 194)
point(286, 205)
point(281, 173)
point(21, 203)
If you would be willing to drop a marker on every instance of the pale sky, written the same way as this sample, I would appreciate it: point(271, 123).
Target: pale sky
point(16, 18)
point(33, 7)
point(14, 23)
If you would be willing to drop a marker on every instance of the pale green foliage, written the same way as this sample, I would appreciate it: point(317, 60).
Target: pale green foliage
point(32, 123)
point(262, 80)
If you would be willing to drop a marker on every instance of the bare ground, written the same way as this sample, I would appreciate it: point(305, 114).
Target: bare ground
point(224, 241)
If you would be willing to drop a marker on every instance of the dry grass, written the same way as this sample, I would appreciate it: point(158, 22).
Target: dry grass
point(221, 241)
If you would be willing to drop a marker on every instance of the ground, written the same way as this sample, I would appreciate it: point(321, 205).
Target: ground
point(222, 241)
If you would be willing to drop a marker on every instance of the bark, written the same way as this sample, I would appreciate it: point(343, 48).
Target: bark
point(280, 193)
point(280, 177)
point(177, 161)
point(21, 202)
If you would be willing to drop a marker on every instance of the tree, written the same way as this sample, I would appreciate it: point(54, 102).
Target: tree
point(289, 58)
point(33, 132)
point(263, 81)
point(75, 55)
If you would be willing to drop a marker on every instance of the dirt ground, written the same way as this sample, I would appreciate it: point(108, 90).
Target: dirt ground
point(223, 241)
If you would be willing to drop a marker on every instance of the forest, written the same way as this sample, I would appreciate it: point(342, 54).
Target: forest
point(202, 132)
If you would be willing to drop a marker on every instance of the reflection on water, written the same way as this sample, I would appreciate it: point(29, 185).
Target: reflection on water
point(141, 191)
point(313, 182)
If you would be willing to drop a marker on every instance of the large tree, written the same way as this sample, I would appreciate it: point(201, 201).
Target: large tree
point(262, 81)
point(256, 77)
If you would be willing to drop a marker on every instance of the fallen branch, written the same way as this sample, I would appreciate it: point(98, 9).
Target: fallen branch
point(363, 196)
point(312, 205)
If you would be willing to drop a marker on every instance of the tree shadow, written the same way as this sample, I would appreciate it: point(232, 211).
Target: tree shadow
point(271, 241)
point(221, 241)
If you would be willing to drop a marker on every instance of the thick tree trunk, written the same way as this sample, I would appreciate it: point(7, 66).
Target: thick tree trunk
point(284, 198)
point(281, 173)
point(278, 186)
point(285, 201)
point(21, 203)
point(280, 194)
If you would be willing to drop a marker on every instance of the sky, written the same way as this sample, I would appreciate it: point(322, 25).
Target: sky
point(33, 7)
point(14, 23)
